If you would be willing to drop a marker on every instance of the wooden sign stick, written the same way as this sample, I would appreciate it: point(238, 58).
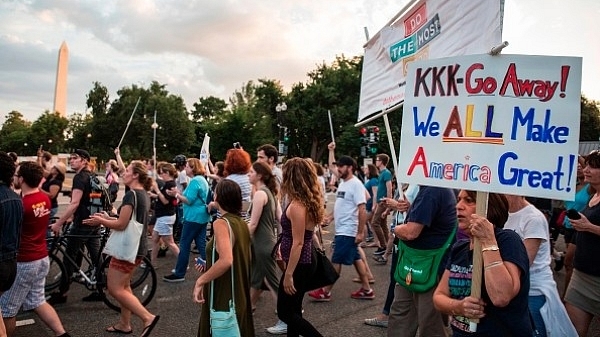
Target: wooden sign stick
point(477, 272)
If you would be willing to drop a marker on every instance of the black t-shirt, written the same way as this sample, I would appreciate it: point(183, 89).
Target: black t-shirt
point(81, 181)
point(46, 187)
point(512, 320)
point(167, 209)
point(587, 254)
point(142, 207)
point(435, 209)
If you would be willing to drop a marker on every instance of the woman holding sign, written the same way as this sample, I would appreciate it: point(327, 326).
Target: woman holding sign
point(503, 307)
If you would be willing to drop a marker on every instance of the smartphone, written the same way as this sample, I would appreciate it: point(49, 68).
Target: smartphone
point(573, 214)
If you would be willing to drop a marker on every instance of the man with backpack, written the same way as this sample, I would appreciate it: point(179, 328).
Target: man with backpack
point(78, 209)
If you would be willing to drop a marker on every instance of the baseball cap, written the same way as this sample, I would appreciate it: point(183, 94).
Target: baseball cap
point(82, 153)
point(345, 161)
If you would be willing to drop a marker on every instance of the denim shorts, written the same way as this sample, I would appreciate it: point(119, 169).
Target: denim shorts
point(164, 225)
point(345, 251)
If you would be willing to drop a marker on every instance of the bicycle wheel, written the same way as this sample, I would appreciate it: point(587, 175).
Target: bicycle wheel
point(57, 275)
point(143, 283)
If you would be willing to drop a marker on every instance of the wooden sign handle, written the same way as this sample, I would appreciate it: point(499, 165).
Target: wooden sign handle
point(477, 272)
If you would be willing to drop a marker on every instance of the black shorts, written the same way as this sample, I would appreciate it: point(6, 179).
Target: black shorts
point(8, 273)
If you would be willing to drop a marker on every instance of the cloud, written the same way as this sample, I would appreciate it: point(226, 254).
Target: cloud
point(210, 48)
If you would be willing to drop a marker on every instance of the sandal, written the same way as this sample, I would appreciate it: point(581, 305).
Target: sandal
point(113, 329)
point(148, 329)
point(357, 280)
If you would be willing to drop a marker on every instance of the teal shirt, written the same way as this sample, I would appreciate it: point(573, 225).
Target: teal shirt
point(196, 193)
point(384, 176)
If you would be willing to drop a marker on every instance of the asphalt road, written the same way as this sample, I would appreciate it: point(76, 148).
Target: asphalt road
point(342, 316)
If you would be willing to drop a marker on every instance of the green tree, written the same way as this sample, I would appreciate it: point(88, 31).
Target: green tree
point(79, 132)
point(49, 130)
point(174, 133)
point(589, 129)
point(14, 135)
point(334, 88)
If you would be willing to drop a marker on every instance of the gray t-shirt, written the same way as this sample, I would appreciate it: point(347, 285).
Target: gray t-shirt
point(142, 207)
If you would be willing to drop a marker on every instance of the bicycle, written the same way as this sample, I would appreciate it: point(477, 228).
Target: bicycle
point(143, 281)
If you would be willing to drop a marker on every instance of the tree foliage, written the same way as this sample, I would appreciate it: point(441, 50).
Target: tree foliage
point(249, 116)
point(590, 120)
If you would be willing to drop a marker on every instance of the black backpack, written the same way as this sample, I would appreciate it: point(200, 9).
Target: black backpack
point(100, 199)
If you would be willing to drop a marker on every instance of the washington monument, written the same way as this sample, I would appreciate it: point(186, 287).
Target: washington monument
point(60, 89)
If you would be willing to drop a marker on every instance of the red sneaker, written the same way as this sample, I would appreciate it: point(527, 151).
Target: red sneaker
point(320, 295)
point(363, 294)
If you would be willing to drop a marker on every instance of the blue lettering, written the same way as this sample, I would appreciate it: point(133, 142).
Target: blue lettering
point(421, 129)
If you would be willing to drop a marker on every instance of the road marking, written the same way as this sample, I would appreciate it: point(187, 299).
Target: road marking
point(25, 322)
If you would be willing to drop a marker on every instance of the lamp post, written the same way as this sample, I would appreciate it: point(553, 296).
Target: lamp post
point(154, 127)
point(50, 145)
point(280, 108)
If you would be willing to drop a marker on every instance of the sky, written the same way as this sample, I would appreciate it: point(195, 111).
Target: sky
point(201, 48)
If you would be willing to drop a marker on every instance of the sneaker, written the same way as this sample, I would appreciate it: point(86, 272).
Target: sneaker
point(93, 297)
point(379, 251)
point(320, 295)
point(162, 251)
point(173, 270)
point(362, 294)
point(278, 329)
point(380, 259)
point(173, 279)
point(376, 322)
point(369, 239)
point(559, 263)
point(56, 298)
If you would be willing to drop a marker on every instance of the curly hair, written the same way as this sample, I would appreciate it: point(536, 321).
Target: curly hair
point(301, 184)
point(31, 172)
point(7, 168)
point(237, 161)
point(266, 175)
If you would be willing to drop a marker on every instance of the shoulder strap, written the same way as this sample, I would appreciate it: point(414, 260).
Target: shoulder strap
point(212, 283)
point(133, 211)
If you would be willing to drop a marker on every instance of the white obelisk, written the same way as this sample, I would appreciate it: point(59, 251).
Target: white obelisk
point(60, 89)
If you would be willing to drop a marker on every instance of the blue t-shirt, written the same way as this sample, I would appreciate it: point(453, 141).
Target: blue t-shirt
point(512, 320)
point(196, 193)
point(435, 209)
point(369, 186)
point(582, 197)
point(384, 176)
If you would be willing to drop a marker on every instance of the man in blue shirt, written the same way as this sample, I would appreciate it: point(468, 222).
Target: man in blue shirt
point(11, 217)
point(384, 190)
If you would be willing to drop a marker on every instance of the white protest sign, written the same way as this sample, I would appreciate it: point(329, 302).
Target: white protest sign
point(429, 29)
point(204, 150)
point(506, 124)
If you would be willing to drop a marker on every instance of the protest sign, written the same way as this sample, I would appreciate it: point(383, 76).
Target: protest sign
point(506, 124)
point(425, 29)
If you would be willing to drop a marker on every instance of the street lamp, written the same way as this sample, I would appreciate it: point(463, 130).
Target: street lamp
point(280, 108)
point(154, 127)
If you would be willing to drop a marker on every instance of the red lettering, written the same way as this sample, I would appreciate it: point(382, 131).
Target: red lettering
point(419, 159)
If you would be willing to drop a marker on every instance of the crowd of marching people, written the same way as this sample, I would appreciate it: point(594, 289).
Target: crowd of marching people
point(256, 225)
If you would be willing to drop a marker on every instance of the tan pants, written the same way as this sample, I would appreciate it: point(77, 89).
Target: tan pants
point(410, 311)
point(380, 226)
